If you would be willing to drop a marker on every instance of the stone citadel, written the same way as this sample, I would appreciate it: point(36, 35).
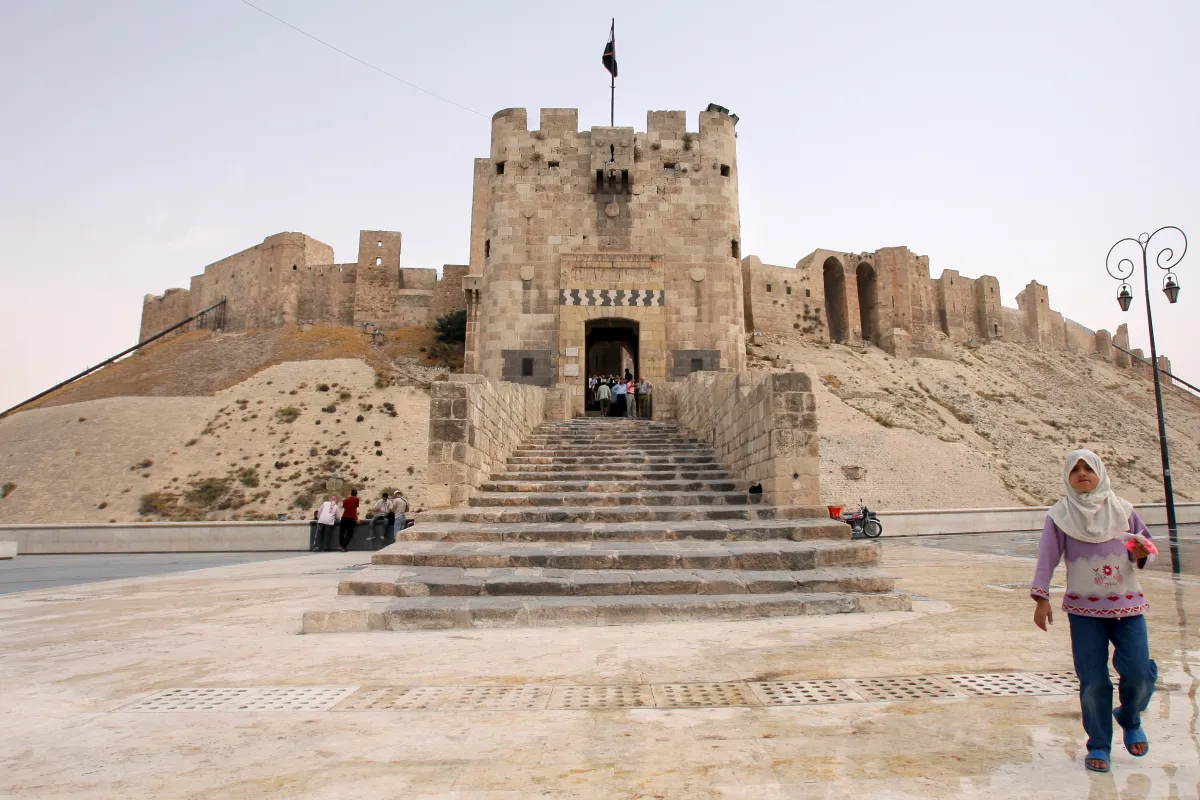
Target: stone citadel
point(609, 249)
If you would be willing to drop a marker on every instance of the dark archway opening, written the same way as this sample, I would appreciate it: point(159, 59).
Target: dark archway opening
point(611, 347)
point(868, 302)
point(836, 312)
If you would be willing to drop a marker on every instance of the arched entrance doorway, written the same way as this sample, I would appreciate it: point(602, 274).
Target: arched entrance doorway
point(836, 313)
point(868, 302)
point(611, 348)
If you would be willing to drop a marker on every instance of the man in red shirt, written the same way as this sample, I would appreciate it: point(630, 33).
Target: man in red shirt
point(349, 520)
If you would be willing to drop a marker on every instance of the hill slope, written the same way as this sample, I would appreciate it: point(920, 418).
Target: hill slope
point(225, 426)
point(990, 428)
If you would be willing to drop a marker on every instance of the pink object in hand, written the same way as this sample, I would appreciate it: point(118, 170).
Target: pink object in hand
point(1144, 542)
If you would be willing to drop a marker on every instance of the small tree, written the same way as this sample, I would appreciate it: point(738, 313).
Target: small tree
point(451, 328)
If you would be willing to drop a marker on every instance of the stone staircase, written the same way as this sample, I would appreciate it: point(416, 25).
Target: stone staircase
point(603, 521)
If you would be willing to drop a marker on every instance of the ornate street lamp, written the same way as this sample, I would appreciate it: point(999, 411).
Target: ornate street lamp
point(1168, 246)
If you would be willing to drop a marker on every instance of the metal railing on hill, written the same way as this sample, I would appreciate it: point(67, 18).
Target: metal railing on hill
point(202, 318)
point(1178, 380)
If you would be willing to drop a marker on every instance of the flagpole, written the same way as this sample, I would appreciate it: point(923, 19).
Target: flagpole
point(612, 97)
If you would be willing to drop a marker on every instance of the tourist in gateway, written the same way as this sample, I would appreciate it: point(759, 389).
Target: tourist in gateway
point(619, 399)
point(1104, 543)
point(604, 396)
point(327, 518)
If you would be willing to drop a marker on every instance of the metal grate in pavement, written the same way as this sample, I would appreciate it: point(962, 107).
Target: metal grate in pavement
point(204, 698)
point(914, 688)
point(803, 693)
point(498, 698)
point(697, 695)
point(396, 698)
point(998, 684)
point(1064, 682)
point(617, 696)
point(290, 698)
point(535, 697)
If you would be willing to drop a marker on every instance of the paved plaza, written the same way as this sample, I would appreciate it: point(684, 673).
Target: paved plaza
point(101, 696)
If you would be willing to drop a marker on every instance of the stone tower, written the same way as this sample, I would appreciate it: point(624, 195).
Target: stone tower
point(604, 250)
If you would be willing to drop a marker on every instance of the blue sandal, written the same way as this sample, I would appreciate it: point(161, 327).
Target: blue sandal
point(1096, 755)
point(1132, 736)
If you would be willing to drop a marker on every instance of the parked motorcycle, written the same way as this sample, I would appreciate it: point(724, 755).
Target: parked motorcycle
point(864, 522)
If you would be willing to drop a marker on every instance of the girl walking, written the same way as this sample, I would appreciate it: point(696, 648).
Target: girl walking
point(1105, 544)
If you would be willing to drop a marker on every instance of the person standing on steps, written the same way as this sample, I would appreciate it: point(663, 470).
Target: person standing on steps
point(1105, 545)
point(644, 388)
point(630, 397)
point(618, 403)
point(327, 518)
point(382, 517)
point(349, 520)
point(400, 509)
point(604, 396)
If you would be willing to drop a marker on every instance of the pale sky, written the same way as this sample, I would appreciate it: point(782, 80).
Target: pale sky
point(142, 140)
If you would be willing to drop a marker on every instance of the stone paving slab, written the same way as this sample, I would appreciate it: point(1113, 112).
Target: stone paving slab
point(76, 661)
point(357, 614)
point(802, 529)
point(536, 581)
point(769, 554)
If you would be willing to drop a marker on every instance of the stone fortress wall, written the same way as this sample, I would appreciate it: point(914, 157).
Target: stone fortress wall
point(887, 298)
point(292, 278)
point(575, 235)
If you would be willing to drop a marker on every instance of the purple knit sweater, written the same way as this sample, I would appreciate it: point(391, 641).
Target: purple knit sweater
point(1102, 578)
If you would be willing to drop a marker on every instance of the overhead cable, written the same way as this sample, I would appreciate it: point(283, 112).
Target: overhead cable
point(360, 61)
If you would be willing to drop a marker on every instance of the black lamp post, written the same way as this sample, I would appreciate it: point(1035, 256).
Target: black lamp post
point(1168, 246)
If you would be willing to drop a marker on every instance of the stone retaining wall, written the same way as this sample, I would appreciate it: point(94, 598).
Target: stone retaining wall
point(474, 423)
point(762, 425)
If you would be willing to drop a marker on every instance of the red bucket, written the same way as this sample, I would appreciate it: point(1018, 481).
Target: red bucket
point(835, 512)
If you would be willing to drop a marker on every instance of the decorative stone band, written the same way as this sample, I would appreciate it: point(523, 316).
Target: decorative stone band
point(611, 297)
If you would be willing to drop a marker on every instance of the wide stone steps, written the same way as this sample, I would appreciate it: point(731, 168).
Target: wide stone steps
point(765, 555)
point(362, 614)
point(692, 498)
point(624, 462)
point(546, 582)
point(600, 522)
point(604, 486)
point(799, 530)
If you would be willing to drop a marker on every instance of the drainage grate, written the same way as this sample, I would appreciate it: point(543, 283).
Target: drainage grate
point(998, 684)
point(627, 696)
point(915, 688)
point(498, 698)
point(290, 698)
point(1064, 682)
point(803, 693)
point(198, 699)
point(396, 698)
point(695, 695)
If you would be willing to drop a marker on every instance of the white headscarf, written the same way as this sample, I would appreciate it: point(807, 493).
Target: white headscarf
point(1095, 516)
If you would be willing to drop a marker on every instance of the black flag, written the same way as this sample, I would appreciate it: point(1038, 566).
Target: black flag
point(609, 59)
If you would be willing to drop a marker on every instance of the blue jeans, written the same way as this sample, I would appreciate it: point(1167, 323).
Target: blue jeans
point(1131, 658)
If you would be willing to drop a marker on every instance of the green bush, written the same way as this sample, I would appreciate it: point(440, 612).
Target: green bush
point(451, 328)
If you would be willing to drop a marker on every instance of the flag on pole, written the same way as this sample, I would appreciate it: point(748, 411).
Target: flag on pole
point(609, 59)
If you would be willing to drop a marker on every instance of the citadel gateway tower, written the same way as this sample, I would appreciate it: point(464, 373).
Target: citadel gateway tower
point(595, 251)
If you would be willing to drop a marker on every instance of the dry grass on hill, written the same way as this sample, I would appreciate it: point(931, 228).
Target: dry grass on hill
point(200, 363)
point(264, 446)
point(989, 428)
